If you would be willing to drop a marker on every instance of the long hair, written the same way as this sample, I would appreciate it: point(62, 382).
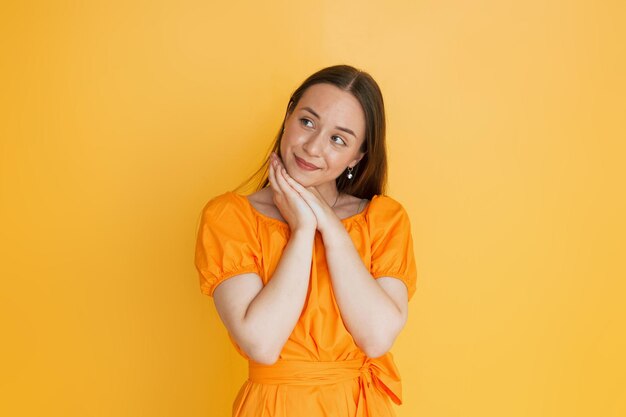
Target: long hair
point(370, 174)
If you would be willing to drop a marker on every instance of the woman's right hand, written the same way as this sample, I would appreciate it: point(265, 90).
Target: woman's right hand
point(289, 202)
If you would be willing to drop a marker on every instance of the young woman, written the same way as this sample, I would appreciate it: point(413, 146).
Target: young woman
point(312, 273)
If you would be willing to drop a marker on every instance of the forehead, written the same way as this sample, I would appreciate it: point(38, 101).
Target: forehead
point(334, 106)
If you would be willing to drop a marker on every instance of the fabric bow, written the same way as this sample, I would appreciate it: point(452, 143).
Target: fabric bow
point(379, 378)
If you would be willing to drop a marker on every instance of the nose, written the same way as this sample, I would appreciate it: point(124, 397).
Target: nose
point(314, 145)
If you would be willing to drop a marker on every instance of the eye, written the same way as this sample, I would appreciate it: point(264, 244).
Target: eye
point(338, 140)
point(306, 122)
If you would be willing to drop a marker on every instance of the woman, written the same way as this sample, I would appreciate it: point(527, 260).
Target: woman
point(312, 273)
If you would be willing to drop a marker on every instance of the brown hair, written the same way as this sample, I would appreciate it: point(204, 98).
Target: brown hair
point(370, 174)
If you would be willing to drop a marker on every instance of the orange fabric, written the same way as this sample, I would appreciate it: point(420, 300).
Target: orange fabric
point(376, 378)
point(320, 371)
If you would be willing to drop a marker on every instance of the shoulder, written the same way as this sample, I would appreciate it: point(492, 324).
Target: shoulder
point(225, 206)
point(382, 205)
point(385, 214)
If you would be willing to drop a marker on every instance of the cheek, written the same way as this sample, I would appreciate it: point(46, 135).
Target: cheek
point(285, 143)
point(288, 140)
point(340, 163)
point(281, 148)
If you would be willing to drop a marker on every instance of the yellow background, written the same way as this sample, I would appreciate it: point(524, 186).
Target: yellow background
point(119, 120)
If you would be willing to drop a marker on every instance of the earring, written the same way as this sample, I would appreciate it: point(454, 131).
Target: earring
point(349, 175)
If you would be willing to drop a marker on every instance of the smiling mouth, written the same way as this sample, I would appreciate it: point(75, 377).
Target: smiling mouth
point(305, 164)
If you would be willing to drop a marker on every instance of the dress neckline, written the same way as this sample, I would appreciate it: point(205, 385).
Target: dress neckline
point(284, 224)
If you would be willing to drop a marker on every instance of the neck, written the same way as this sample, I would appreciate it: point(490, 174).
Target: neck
point(329, 193)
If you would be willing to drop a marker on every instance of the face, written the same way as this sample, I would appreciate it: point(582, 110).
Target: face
point(323, 136)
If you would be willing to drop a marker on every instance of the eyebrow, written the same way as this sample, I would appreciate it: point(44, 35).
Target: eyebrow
point(344, 129)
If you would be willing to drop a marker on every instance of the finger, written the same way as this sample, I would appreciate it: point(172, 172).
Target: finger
point(311, 199)
point(294, 184)
point(316, 193)
point(289, 189)
point(279, 160)
point(304, 192)
point(282, 182)
point(309, 194)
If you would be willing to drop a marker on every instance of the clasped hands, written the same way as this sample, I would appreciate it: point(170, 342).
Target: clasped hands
point(303, 208)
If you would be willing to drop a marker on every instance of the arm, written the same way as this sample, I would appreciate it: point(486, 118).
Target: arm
point(259, 318)
point(373, 311)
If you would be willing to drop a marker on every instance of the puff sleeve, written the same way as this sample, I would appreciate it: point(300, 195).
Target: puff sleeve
point(392, 242)
point(226, 243)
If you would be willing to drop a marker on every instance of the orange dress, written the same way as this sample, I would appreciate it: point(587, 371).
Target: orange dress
point(320, 372)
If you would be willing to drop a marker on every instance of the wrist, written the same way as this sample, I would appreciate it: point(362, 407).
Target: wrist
point(333, 230)
point(304, 232)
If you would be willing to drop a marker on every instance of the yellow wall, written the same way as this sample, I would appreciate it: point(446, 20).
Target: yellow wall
point(506, 137)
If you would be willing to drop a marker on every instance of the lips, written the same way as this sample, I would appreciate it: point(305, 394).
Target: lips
point(305, 163)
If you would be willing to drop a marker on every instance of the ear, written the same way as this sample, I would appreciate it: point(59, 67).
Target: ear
point(357, 159)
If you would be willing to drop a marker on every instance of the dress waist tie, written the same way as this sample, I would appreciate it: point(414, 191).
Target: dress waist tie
point(377, 377)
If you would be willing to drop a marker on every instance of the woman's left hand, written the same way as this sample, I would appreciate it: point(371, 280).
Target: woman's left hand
point(326, 217)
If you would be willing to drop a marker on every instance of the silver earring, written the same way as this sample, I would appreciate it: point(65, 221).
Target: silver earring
point(349, 175)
